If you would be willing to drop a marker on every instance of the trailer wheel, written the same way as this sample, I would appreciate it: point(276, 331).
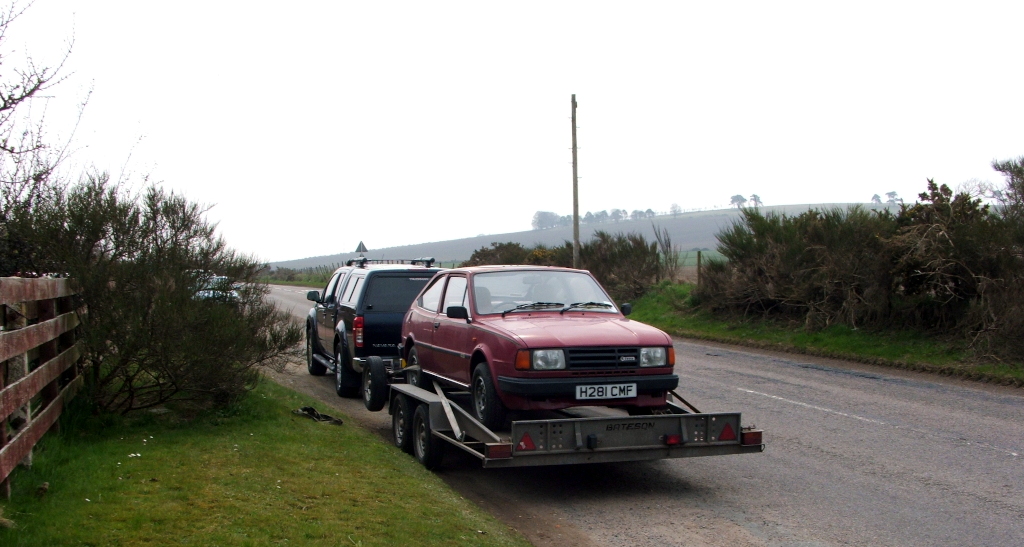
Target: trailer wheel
point(427, 448)
point(486, 405)
point(375, 384)
point(401, 423)
point(346, 383)
point(312, 365)
point(412, 377)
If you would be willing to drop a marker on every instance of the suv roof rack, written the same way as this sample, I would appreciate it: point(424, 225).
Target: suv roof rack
point(362, 261)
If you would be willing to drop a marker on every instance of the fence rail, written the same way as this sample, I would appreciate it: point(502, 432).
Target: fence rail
point(39, 365)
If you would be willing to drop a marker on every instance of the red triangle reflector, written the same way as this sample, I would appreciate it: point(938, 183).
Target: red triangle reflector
point(727, 433)
point(526, 443)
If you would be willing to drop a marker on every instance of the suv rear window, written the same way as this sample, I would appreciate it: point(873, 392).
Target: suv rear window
point(391, 293)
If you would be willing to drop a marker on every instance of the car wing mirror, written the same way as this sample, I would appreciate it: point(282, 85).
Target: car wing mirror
point(313, 296)
point(457, 312)
point(626, 308)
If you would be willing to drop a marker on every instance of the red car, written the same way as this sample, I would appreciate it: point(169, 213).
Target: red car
point(535, 338)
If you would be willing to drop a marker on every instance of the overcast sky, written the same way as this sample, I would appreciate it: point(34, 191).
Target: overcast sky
point(310, 126)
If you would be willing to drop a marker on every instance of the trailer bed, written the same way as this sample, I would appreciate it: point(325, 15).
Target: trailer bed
point(585, 435)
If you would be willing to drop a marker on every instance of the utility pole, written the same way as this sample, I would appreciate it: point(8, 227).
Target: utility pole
point(575, 195)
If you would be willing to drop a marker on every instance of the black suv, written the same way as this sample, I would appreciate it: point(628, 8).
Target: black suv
point(358, 318)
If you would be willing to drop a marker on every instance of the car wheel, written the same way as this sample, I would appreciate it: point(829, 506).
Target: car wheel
point(346, 382)
point(401, 423)
point(487, 406)
point(413, 377)
point(375, 384)
point(428, 449)
point(312, 365)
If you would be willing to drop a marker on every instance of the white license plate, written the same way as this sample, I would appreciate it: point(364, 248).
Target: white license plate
point(607, 391)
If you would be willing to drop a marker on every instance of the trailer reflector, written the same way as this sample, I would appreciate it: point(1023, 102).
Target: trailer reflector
point(526, 443)
point(727, 433)
point(498, 450)
point(751, 437)
point(672, 440)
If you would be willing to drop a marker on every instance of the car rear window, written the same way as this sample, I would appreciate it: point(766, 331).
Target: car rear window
point(391, 293)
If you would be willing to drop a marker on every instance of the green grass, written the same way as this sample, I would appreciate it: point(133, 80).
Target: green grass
point(667, 307)
point(254, 475)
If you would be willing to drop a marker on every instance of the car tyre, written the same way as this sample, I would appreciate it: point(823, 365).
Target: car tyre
point(346, 382)
point(428, 449)
point(375, 384)
point(488, 408)
point(413, 377)
point(401, 422)
point(314, 367)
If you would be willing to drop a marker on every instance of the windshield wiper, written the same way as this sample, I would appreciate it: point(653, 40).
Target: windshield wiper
point(533, 305)
point(585, 305)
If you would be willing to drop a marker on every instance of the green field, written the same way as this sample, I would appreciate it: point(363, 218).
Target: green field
point(253, 475)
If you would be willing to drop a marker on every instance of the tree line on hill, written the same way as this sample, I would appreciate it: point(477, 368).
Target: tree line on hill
point(542, 220)
point(948, 264)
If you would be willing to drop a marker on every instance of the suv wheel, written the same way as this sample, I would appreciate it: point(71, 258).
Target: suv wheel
point(346, 382)
point(375, 384)
point(487, 406)
point(312, 365)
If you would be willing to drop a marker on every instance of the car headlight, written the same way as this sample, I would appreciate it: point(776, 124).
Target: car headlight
point(548, 359)
point(652, 357)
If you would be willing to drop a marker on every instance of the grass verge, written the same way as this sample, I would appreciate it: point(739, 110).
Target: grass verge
point(667, 307)
point(253, 475)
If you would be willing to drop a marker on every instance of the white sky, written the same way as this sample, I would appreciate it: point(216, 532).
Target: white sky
point(313, 125)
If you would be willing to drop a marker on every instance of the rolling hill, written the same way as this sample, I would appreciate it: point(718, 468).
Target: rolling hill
point(689, 231)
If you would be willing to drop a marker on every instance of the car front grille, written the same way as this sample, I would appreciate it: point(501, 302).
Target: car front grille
point(602, 358)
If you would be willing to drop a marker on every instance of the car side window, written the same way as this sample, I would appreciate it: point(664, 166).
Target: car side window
point(342, 286)
point(432, 296)
point(353, 288)
point(328, 295)
point(455, 295)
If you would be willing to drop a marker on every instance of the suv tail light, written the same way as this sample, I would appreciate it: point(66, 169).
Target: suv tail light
point(357, 330)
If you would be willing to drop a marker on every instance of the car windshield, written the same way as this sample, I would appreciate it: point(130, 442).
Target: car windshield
point(531, 290)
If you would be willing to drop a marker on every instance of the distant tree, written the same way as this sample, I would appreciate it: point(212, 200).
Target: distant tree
point(675, 210)
point(617, 215)
point(893, 197)
point(637, 214)
point(498, 253)
point(756, 200)
point(601, 216)
point(876, 199)
point(738, 201)
point(588, 218)
point(543, 220)
point(565, 220)
point(650, 213)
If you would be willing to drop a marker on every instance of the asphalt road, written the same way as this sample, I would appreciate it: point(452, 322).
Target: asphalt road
point(856, 455)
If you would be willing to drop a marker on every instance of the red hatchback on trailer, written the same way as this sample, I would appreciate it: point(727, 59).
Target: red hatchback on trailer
point(535, 338)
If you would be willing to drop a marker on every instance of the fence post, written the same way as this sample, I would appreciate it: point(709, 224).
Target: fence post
point(698, 270)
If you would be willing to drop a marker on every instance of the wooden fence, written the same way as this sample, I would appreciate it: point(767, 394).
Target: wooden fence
point(39, 365)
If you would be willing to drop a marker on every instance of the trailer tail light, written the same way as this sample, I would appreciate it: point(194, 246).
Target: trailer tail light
point(673, 440)
point(523, 359)
point(357, 330)
point(526, 443)
point(751, 437)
